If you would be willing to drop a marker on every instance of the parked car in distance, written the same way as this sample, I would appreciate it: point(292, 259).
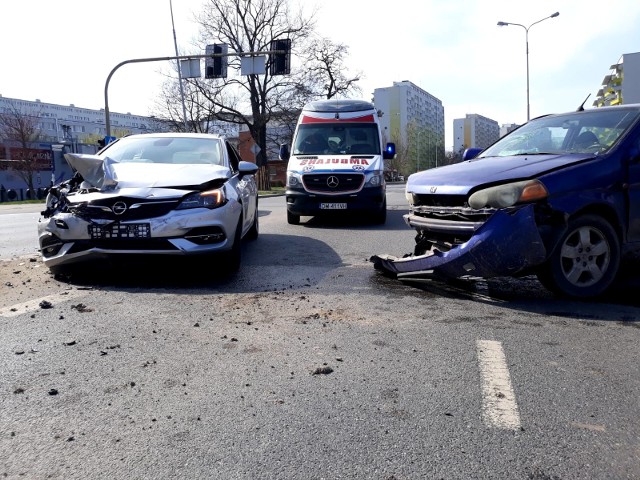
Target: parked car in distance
point(155, 194)
point(559, 197)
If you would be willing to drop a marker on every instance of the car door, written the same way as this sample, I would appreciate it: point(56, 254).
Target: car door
point(247, 190)
point(633, 186)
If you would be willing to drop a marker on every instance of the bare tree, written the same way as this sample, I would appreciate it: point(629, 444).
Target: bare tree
point(325, 73)
point(256, 101)
point(19, 128)
point(249, 26)
point(199, 109)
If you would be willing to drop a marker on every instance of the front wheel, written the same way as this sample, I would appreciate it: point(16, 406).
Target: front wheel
point(585, 261)
point(254, 231)
point(380, 217)
point(293, 219)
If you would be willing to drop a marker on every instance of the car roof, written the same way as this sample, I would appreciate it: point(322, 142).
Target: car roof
point(209, 136)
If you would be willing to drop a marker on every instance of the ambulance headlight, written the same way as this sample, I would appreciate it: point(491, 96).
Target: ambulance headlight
point(375, 180)
point(294, 180)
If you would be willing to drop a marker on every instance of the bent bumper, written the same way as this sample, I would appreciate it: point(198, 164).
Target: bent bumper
point(190, 232)
point(506, 244)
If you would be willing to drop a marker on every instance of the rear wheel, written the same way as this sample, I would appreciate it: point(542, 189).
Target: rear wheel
point(292, 218)
point(585, 261)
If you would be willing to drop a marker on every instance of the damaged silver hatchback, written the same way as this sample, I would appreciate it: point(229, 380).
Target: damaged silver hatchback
point(152, 194)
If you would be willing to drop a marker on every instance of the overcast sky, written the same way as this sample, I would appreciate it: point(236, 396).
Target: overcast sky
point(62, 51)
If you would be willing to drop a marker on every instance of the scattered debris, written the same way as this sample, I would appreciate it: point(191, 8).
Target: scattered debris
point(81, 307)
point(53, 391)
point(70, 342)
point(45, 304)
point(18, 390)
point(19, 352)
point(326, 370)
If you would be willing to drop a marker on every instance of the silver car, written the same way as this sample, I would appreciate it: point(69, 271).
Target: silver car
point(160, 194)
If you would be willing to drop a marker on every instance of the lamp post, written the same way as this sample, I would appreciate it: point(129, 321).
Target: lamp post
point(526, 30)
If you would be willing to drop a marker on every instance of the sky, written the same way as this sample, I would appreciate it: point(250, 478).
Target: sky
point(63, 52)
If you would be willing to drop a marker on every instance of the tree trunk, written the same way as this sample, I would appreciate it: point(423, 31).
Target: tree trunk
point(262, 178)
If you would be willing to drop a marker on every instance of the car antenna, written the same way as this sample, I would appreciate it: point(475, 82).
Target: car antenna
point(581, 107)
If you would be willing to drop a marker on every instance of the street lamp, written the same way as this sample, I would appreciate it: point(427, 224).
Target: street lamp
point(526, 30)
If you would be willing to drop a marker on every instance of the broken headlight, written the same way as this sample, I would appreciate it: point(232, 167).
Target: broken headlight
point(502, 196)
point(209, 199)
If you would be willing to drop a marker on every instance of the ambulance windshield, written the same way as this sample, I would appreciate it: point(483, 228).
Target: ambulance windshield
point(343, 139)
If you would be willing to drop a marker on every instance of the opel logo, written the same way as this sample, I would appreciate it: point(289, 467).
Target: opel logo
point(119, 208)
point(332, 181)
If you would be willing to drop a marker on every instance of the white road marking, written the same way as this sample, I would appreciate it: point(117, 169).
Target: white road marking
point(499, 407)
point(33, 305)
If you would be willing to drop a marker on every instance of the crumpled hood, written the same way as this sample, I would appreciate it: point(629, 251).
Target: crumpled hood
point(105, 173)
point(459, 178)
point(137, 175)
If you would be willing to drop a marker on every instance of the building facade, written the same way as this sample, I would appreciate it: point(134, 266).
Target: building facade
point(413, 119)
point(474, 131)
point(622, 84)
point(60, 129)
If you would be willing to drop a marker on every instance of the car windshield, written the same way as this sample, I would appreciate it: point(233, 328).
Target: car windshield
point(591, 131)
point(341, 139)
point(165, 150)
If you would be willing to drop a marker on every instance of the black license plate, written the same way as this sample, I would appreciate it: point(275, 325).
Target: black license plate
point(120, 230)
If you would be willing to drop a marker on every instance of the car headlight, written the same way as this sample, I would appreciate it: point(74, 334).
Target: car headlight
point(209, 199)
point(294, 180)
point(375, 180)
point(502, 196)
point(409, 196)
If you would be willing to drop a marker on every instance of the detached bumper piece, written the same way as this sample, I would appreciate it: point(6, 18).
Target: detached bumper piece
point(504, 245)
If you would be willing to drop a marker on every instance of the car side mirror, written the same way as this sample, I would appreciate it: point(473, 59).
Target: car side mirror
point(247, 168)
point(284, 153)
point(471, 153)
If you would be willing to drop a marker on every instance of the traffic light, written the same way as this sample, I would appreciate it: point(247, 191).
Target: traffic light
point(216, 67)
point(280, 63)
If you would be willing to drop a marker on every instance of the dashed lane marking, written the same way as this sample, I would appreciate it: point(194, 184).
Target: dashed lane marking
point(499, 406)
point(33, 305)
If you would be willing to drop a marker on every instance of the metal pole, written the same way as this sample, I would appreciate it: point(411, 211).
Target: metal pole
point(162, 59)
point(526, 37)
point(175, 43)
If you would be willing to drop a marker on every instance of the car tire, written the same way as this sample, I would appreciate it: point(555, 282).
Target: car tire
point(585, 261)
point(234, 258)
point(254, 231)
point(292, 218)
point(380, 217)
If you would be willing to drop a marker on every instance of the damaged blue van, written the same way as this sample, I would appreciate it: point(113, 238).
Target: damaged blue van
point(558, 197)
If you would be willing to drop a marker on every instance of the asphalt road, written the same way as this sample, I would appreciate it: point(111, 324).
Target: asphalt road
point(309, 364)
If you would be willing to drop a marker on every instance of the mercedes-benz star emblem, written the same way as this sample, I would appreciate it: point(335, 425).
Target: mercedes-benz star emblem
point(332, 181)
point(119, 208)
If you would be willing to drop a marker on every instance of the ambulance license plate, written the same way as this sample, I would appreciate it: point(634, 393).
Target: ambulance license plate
point(333, 206)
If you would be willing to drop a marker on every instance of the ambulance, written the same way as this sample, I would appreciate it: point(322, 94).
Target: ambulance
point(336, 162)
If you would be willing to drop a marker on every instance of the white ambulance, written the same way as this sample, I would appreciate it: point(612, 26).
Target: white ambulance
point(336, 163)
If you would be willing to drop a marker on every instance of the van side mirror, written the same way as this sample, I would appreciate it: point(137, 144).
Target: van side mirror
point(389, 151)
point(284, 153)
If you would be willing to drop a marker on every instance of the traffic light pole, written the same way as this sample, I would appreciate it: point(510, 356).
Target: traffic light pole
point(163, 59)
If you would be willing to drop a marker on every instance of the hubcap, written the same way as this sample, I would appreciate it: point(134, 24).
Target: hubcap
point(585, 256)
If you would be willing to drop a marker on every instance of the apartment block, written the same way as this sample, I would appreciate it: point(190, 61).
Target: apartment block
point(622, 84)
point(413, 119)
point(474, 131)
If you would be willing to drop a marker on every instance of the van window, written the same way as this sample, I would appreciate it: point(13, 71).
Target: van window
point(342, 139)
